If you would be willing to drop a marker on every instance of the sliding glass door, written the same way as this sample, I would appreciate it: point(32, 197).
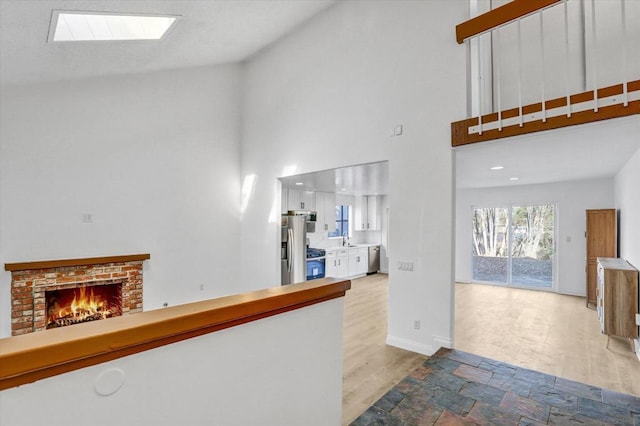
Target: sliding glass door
point(514, 245)
point(490, 245)
point(532, 243)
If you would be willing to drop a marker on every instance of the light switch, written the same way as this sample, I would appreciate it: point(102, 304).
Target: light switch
point(405, 266)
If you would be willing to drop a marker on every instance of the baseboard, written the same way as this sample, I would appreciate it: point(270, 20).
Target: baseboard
point(410, 345)
point(413, 346)
point(569, 293)
point(442, 342)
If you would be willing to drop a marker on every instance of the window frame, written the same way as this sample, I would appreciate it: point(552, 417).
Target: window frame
point(344, 221)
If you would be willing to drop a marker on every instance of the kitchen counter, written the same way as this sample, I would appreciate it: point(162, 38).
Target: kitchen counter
point(358, 245)
point(351, 261)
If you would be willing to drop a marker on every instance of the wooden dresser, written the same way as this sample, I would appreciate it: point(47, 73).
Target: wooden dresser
point(617, 297)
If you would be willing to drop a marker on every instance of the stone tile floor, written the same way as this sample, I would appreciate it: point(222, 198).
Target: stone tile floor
point(458, 388)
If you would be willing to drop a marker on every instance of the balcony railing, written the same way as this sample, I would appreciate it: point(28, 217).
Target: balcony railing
point(542, 64)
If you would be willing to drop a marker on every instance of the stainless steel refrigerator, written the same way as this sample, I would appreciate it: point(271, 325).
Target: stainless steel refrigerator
point(293, 256)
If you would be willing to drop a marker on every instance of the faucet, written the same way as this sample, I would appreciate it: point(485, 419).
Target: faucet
point(345, 239)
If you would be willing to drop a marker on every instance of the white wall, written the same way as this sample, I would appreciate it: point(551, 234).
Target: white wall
point(384, 233)
point(154, 157)
point(627, 190)
point(571, 198)
point(325, 97)
point(268, 372)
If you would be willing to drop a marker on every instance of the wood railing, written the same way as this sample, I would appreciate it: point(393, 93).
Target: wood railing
point(599, 103)
point(30, 357)
point(499, 16)
point(611, 105)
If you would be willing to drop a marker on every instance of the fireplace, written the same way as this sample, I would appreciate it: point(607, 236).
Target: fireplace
point(82, 304)
point(52, 294)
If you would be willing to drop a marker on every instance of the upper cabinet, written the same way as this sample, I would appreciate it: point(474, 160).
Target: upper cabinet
point(326, 208)
point(301, 200)
point(366, 213)
point(372, 213)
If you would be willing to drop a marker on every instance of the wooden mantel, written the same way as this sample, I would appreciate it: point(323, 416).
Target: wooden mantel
point(44, 264)
point(35, 356)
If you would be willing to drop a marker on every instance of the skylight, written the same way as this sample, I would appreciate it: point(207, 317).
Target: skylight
point(102, 26)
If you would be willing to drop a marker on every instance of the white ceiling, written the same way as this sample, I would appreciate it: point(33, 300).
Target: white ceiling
point(227, 31)
point(209, 32)
point(362, 179)
point(574, 153)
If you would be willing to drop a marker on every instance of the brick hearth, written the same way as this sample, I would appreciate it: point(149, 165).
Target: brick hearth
point(28, 288)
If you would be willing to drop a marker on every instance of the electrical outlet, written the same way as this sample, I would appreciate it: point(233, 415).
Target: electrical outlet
point(165, 304)
point(201, 287)
point(395, 130)
point(87, 217)
point(416, 324)
point(405, 266)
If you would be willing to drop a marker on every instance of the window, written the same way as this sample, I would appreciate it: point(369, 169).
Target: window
point(103, 26)
point(342, 222)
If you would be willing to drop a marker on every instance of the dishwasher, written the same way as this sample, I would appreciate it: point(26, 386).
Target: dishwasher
point(374, 259)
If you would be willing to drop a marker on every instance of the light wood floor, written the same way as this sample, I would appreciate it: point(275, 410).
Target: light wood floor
point(552, 333)
point(371, 367)
point(548, 332)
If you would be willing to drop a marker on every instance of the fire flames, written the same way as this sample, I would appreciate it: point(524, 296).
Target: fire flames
point(85, 306)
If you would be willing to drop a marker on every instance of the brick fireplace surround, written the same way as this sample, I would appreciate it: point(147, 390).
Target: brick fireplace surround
point(30, 280)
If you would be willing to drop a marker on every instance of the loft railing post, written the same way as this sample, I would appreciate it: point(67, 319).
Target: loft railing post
point(625, 94)
point(566, 54)
point(542, 98)
point(520, 74)
point(497, 48)
point(479, 86)
point(594, 62)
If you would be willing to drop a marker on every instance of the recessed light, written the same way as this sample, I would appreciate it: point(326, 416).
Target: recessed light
point(497, 167)
point(299, 183)
point(343, 189)
point(106, 26)
point(514, 178)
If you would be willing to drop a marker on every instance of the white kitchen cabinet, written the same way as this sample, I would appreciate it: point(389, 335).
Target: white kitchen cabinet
point(337, 263)
point(301, 200)
point(284, 206)
point(372, 213)
point(365, 213)
point(358, 261)
point(359, 213)
point(326, 208)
